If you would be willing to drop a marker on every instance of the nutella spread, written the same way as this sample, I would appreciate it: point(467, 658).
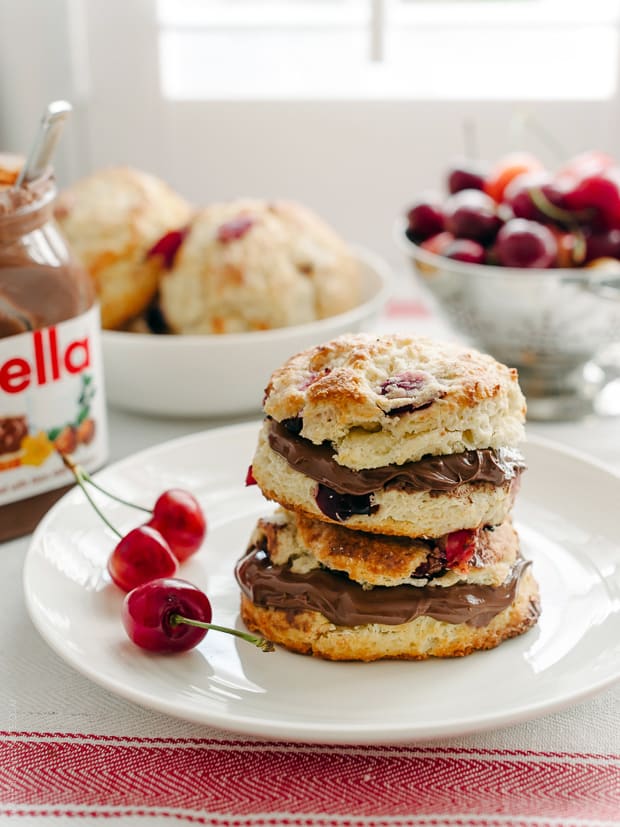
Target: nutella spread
point(442, 473)
point(346, 603)
point(51, 377)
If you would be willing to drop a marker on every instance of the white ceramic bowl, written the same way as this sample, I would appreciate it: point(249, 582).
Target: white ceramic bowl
point(197, 376)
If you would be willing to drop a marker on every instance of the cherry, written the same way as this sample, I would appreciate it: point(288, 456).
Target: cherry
point(460, 547)
point(140, 556)
point(409, 384)
point(171, 615)
point(249, 477)
point(235, 228)
point(464, 249)
point(522, 243)
point(466, 175)
point(506, 170)
point(472, 214)
point(180, 519)
point(437, 243)
point(340, 507)
point(518, 195)
point(599, 191)
point(168, 246)
point(424, 219)
point(605, 244)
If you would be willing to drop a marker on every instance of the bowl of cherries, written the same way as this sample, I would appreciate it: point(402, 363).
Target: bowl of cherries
point(525, 263)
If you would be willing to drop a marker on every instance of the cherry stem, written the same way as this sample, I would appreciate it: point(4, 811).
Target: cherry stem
point(580, 248)
point(260, 642)
point(547, 207)
point(79, 476)
point(544, 135)
point(86, 477)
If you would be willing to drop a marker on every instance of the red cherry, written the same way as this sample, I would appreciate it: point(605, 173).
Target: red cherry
point(600, 192)
point(472, 214)
point(463, 249)
point(518, 194)
point(235, 228)
point(605, 244)
point(140, 556)
point(168, 246)
point(170, 615)
point(466, 175)
point(522, 243)
point(437, 243)
point(178, 516)
point(148, 613)
point(460, 547)
point(249, 477)
point(424, 219)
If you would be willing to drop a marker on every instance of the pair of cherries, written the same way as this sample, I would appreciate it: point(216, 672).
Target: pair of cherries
point(160, 613)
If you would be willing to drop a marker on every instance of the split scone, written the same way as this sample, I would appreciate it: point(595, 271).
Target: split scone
point(393, 435)
point(322, 589)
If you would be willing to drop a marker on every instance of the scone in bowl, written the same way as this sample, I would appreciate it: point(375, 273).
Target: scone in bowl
point(221, 375)
point(549, 324)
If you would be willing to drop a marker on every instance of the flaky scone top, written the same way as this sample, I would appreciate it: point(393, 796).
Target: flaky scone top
point(390, 399)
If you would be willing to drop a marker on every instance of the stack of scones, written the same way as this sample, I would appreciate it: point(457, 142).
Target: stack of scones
point(394, 460)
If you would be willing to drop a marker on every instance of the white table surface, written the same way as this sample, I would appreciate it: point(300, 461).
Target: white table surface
point(36, 692)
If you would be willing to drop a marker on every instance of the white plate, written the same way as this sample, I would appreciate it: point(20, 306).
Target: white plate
point(567, 514)
point(211, 375)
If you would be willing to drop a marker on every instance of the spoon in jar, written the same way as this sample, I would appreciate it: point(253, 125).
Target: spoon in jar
point(48, 134)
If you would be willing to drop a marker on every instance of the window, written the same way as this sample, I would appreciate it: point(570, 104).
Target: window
point(388, 49)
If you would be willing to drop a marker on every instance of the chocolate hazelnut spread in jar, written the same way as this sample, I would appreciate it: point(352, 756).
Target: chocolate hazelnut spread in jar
point(51, 373)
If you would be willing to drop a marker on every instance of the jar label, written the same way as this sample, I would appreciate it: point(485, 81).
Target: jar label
point(51, 401)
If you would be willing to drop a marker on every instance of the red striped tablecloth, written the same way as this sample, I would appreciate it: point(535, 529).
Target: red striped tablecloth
point(236, 782)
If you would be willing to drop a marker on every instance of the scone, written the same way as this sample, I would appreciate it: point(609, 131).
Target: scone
point(396, 460)
point(325, 590)
point(255, 265)
point(113, 219)
point(393, 435)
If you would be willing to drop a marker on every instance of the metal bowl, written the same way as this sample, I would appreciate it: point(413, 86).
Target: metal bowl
point(549, 324)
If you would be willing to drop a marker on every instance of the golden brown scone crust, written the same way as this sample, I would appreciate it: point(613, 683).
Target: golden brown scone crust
point(111, 220)
point(407, 513)
point(378, 560)
point(348, 391)
point(253, 265)
point(310, 633)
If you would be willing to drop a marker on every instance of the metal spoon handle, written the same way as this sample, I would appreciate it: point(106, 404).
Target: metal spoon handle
point(47, 136)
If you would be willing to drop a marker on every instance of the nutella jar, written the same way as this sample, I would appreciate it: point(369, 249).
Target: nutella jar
point(51, 373)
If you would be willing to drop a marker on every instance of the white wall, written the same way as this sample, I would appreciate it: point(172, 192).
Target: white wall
point(357, 163)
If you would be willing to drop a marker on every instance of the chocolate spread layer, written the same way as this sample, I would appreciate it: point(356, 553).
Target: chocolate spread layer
point(443, 473)
point(346, 603)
